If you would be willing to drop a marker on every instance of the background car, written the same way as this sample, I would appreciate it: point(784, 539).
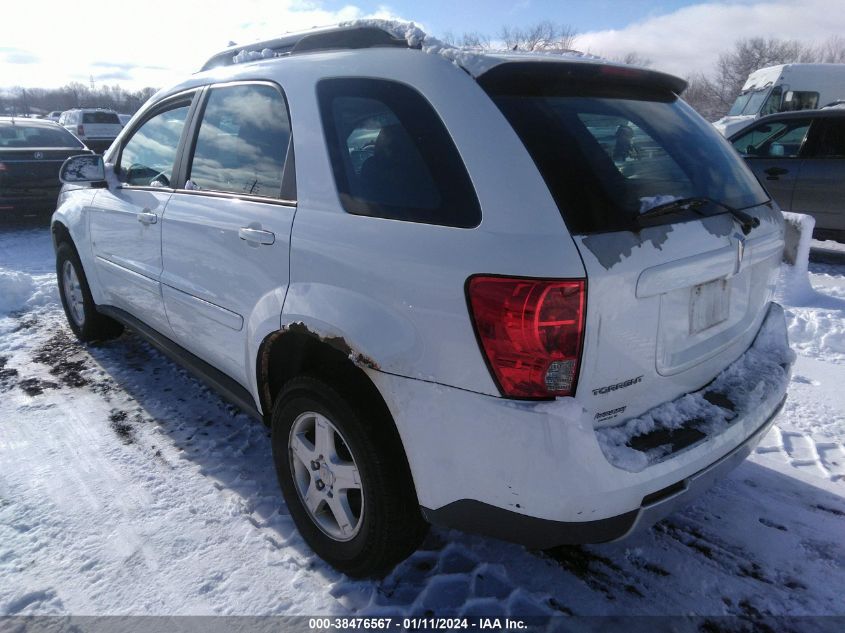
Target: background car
point(54, 115)
point(800, 158)
point(95, 127)
point(31, 153)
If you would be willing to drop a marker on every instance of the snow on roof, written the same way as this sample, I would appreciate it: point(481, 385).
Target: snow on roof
point(249, 56)
point(473, 60)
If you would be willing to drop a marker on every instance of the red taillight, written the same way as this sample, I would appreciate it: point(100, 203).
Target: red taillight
point(2, 166)
point(80, 131)
point(530, 331)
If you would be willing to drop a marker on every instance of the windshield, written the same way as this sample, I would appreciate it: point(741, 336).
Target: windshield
point(739, 104)
point(749, 102)
point(609, 155)
point(755, 102)
point(14, 136)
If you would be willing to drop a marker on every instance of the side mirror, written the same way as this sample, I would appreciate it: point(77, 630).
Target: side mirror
point(84, 168)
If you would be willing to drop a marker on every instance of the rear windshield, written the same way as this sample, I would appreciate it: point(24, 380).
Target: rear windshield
point(100, 117)
point(609, 153)
point(12, 136)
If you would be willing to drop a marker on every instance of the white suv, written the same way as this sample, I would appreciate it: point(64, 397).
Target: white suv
point(526, 296)
point(95, 127)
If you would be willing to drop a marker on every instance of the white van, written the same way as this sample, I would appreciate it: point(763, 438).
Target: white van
point(784, 88)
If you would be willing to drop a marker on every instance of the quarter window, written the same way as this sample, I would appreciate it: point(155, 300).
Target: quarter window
point(831, 141)
point(242, 141)
point(147, 158)
point(391, 155)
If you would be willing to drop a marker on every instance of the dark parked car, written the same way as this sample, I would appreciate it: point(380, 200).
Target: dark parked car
point(800, 158)
point(31, 153)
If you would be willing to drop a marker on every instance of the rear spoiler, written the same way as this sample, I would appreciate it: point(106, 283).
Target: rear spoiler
point(551, 77)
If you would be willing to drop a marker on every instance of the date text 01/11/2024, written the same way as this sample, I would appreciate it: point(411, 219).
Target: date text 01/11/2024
point(415, 624)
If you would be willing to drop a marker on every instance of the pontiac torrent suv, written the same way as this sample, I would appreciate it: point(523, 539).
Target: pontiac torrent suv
point(526, 296)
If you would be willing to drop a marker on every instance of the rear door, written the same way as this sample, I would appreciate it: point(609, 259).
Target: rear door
point(676, 289)
point(227, 231)
point(126, 218)
point(773, 150)
point(820, 189)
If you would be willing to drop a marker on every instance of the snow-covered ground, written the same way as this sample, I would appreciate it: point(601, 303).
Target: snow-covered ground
point(126, 487)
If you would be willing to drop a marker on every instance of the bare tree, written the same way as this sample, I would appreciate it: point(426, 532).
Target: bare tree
point(634, 59)
point(72, 95)
point(703, 95)
point(475, 39)
point(831, 51)
point(542, 36)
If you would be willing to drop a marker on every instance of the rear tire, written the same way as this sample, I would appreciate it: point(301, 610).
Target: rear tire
point(81, 311)
point(345, 483)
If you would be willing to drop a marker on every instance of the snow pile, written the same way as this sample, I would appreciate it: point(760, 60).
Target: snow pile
point(749, 384)
point(16, 288)
point(817, 332)
point(794, 286)
point(250, 56)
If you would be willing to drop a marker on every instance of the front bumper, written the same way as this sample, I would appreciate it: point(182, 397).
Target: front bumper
point(537, 474)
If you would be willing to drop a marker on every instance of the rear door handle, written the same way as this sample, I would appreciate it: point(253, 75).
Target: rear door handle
point(147, 217)
point(256, 236)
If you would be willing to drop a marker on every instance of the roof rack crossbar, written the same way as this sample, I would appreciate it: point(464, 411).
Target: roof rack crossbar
point(335, 38)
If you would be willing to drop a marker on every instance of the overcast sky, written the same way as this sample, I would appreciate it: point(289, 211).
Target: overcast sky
point(49, 43)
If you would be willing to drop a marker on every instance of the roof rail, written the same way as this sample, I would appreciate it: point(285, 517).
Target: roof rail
point(329, 38)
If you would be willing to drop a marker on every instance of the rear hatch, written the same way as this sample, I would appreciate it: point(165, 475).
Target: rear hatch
point(101, 125)
point(679, 241)
point(30, 159)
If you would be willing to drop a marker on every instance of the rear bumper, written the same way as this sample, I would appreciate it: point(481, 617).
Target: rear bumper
point(481, 518)
point(537, 474)
point(43, 202)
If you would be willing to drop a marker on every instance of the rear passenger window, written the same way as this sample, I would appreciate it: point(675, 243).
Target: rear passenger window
point(242, 141)
point(391, 155)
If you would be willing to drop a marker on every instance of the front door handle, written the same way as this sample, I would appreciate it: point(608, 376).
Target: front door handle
point(256, 236)
point(147, 217)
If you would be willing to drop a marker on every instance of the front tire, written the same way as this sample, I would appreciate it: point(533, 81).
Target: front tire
point(345, 483)
point(81, 311)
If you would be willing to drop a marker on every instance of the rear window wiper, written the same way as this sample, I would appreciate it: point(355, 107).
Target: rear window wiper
point(746, 221)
